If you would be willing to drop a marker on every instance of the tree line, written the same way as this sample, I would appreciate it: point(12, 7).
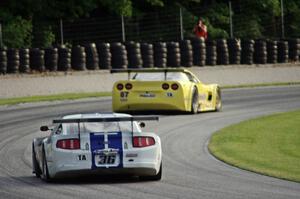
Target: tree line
point(21, 20)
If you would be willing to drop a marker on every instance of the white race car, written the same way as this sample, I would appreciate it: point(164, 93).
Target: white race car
point(98, 143)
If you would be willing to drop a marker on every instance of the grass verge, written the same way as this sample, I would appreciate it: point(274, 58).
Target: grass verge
point(261, 85)
point(39, 98)
point(66, 96)
point(267, 145)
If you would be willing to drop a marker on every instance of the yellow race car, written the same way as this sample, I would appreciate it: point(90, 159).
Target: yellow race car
point(164, 89)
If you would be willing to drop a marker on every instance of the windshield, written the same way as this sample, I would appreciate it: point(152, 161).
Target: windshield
point(99, 127)
point(160, 76)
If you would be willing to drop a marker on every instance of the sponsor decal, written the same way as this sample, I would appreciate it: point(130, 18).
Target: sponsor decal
point(147, 94)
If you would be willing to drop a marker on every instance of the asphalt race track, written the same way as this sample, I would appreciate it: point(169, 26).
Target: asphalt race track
point(189, 171)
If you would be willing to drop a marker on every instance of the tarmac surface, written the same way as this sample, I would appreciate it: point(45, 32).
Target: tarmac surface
point(20, 85)
point(189, 170)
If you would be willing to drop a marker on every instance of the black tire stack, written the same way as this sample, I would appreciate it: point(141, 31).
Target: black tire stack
point(272, 51)
point(147, 55)
point(37, 59)
point(160, 54)
point(119, 56)
point(234, 50)
point(51, 59)
point(3, 61)
point(222, 52)
point(134, 54)
point(64, 59)
point(283, 52)
point(211, 52)
point(24, 60)
point(78, 58)
point(104, 55)
point(260, 52)
point(247, 51)
point(173, 54)
point(186, 53)
point(199, 51)
point(294, 49)
point(92, 58)
point(13, 60)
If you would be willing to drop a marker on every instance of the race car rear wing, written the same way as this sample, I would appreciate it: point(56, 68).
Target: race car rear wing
point(108, 119)
point(147, 70)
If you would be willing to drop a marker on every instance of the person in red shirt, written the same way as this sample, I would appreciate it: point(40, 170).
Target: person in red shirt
point(200, 29)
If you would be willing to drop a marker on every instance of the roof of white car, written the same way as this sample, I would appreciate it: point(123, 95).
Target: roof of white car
point(95, 115)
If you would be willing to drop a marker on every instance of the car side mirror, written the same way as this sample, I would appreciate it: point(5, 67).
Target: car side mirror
point(44, 128)
point(142, 124)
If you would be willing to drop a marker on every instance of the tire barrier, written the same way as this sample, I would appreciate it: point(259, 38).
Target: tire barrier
point(3, 61)
point(234, 50)
point(119, 56)
point(64, 59)
point(160, 54)
point(283, 52)
point(272, 52)
point(51, 59)
point(173, 54)
point(247, 51)
point(37, 59)
point(199, 51)
point(134, 55)
point(92, 57)
point(78, 59)
point(13, 60)
point(147, 55)
point(211, 53)
point(222, 52)
point(260, 52)
point(24, 60)
point(104, 54)
point(294, 49)
point(186, 53)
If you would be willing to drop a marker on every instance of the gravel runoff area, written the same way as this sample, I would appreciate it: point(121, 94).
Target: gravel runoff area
point(20, 85)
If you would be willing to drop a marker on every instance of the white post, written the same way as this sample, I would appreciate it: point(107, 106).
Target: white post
point(1, 41)
point(230, 20)
point(181, 24)
point(61, 32)
point(282, 20)
point(123, 29)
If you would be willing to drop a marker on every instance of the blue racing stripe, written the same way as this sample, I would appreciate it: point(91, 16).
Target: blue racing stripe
point(97, 141)
point(115, 142)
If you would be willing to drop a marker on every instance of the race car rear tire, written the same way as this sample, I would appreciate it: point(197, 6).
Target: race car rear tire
point(153, 178)
point(45, 173)
point(218, 100)
point(195, 102)
point(36, 168)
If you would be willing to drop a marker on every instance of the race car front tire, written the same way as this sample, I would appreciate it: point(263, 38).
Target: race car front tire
point(45, 173)
point(36, 168)
point(218, 100)
point(195, 102)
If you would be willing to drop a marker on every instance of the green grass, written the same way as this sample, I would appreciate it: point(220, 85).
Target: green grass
point(268, 145)
point(66, 96)
point(39, 98)
point(261, 85)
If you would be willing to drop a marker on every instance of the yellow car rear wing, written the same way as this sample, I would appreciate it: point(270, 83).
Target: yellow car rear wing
point(147, 70)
